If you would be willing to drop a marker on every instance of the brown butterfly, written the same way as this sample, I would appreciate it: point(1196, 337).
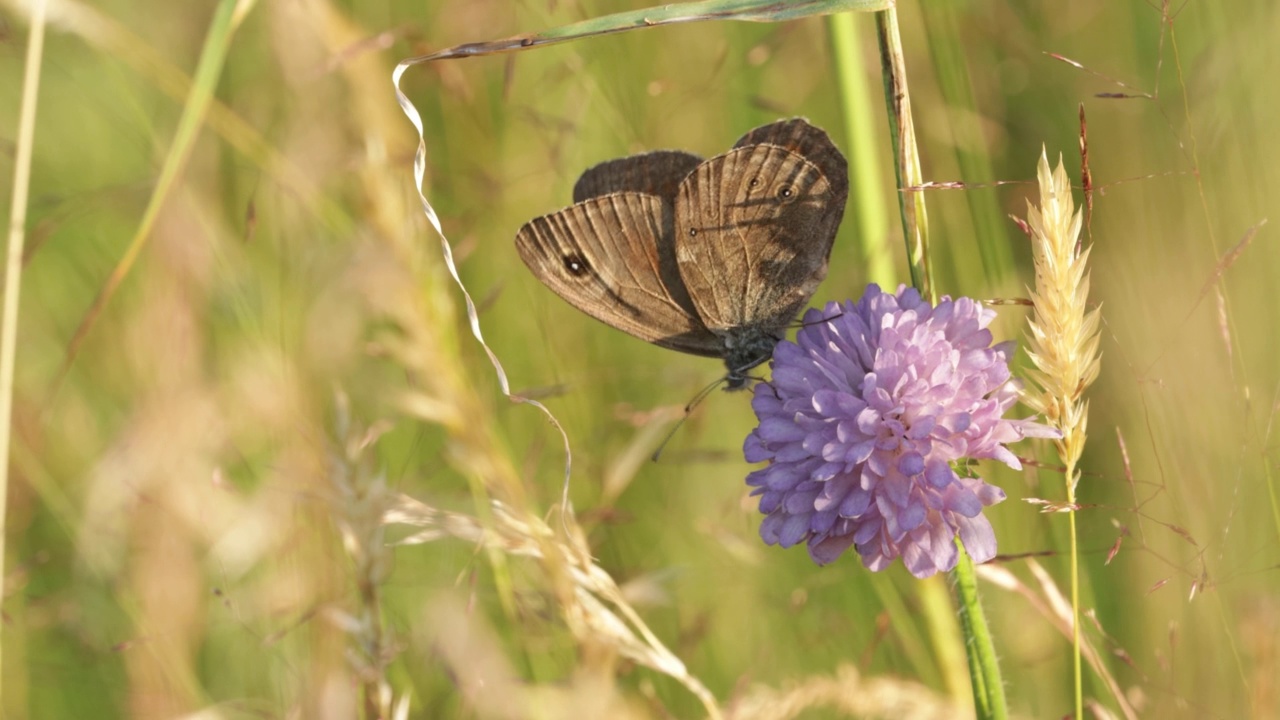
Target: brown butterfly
point(709, 257)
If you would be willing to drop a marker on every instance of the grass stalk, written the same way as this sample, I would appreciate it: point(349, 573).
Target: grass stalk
point(1064, 349)
point(1076, 668)
point(902, 132)
point(947, 635)
point(13, 261)
point(867, 185)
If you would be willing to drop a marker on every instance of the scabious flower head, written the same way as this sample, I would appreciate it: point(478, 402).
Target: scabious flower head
point(864, 415)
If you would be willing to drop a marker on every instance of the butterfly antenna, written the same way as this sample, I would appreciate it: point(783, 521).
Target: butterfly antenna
point(702, 395)
point(820, 320)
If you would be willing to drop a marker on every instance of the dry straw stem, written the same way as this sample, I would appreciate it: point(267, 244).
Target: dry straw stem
point(359, 499)
point(1064, 336)
point(13, 267)
point(595, 611)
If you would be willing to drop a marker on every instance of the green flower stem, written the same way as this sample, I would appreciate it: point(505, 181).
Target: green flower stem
point(984, 670)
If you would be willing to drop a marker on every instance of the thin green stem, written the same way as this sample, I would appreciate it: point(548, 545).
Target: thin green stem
point(13, 267)
point(984, 669)
point(1075, 592)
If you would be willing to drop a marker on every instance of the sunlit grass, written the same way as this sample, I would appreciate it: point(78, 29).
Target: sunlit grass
point(189, 523)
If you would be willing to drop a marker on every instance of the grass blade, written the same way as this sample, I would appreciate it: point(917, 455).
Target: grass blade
point(744, 10)
point(971, 152)
point(212, 59)
point(866, 184)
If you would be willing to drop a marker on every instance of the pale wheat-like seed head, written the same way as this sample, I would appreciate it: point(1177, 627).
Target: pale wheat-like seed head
point(1063, 333)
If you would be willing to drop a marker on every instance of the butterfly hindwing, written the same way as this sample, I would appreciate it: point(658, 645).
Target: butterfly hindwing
point(612, 257)
point(652, 173)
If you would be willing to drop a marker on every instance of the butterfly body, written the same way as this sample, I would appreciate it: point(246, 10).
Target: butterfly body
point(708, 257)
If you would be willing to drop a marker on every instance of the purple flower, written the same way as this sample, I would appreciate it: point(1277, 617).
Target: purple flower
point(862, 420)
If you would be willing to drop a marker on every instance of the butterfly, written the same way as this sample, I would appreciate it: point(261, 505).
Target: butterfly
point(708, 257)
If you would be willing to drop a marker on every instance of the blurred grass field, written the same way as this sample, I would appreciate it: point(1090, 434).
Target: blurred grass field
point(193, 511)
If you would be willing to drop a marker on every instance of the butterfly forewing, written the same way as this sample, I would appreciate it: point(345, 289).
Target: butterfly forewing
point(612, 257)
point(754, 228)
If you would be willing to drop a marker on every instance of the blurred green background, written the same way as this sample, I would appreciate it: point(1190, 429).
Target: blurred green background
point(187, 533)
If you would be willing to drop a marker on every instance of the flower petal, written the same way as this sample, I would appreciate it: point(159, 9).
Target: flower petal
point(978, 538)
point(911, 463)
point(826, 550)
